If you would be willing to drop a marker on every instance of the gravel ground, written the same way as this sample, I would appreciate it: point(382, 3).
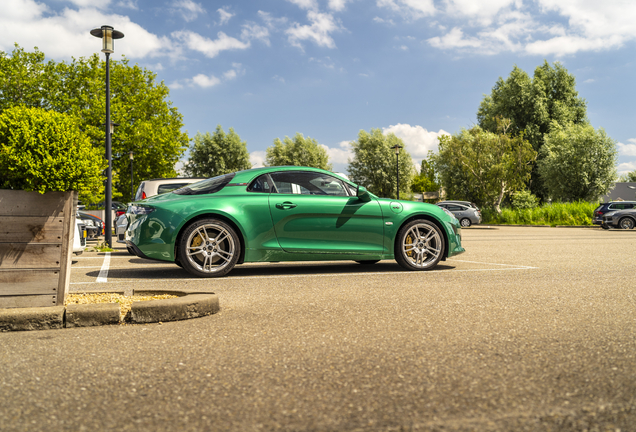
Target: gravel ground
point(125, 302)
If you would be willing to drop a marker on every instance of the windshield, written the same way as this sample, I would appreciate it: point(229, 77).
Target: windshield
point(209, 186)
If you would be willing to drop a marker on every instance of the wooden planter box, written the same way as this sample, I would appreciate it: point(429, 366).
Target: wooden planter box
point(36, 245)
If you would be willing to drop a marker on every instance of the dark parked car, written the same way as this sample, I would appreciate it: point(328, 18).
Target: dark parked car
point(604, 208)
point(466, 215)
point(623, 219)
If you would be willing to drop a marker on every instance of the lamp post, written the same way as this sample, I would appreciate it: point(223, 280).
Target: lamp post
point(397, 148)
point(132, 177)
point(108, 35)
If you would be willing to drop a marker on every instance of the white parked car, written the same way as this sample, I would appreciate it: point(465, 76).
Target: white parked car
point(79, 239)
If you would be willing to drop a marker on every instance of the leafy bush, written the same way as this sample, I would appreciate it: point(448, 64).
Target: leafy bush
point(45, 151)
point(524, 200)
point(577, 213)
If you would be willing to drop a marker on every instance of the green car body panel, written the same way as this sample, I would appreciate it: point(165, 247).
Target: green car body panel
point(287, 227)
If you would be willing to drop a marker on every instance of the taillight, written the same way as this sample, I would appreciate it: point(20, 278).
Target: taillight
point(119, 212)
point(143, 195)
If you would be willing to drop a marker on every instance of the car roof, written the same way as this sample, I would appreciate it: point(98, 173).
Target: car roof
point(247, 175)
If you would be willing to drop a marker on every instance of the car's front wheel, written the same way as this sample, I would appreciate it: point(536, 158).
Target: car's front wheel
point(605, 226)
point(465, 223)
point(626, 223)
point(209, 248)
point(419, 245)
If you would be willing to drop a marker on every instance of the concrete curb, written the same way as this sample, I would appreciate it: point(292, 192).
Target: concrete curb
point(188, 305)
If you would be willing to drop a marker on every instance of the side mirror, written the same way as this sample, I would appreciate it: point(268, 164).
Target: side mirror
point(363, 194)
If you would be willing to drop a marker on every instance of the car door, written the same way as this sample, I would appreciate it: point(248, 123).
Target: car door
point(313, 212)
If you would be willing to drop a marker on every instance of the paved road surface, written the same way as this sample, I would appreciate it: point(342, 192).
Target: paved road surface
point(530, 329)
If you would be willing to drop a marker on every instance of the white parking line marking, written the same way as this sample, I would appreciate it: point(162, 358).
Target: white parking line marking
point(103, 273)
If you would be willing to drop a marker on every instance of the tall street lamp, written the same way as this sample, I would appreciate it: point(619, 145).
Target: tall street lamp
point(108, 35)
point(397, 148)
point(132, 177)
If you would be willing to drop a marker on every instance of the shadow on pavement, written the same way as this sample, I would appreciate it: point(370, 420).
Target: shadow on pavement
point(172, 271)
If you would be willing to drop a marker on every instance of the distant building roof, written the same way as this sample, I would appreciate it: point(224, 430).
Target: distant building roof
point(622, 191)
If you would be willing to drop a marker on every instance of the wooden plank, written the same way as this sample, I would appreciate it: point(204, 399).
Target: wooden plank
point(28, 282)
point(31, 229)
point(21, 203)
point(27, 301)
point(66, 253)
point(30, 256)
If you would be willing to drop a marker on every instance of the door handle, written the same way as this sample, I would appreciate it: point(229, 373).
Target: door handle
point(286, 205)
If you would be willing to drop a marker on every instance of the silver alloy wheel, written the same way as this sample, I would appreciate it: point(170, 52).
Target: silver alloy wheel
point(422, 245)
point(465, 223)
point(210, 248)
point(626, 223)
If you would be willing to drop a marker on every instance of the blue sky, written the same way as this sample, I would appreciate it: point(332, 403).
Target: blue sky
point(329, 68)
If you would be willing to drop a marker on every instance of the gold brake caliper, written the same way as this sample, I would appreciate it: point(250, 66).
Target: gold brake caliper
point(409, 241)
point(197, 241)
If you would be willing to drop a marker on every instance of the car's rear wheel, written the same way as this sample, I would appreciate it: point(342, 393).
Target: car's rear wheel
point(465, 223)
point(368, 262)
point(209, 248)
point(419, 245)
point(626, 223)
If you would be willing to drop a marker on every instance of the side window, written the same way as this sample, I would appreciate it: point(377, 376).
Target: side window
point(308, 183)
point(169, 187)
point(140, 190)
point(262, 184)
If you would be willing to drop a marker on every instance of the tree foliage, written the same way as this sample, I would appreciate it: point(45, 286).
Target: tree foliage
point(216, 154)
point(533, 105)
point(148, 123)
point(629, 177)
point(577, 162)
point(484, 167)
point(300, 151)
point(374, 163)
point(426, 180)
point(45, 151)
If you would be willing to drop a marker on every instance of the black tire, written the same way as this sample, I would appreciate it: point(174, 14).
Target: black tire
point(465, 223)
point(419, 245)
point(626, 223)
point(368, 262)
point(209, 248)
point(604, 226)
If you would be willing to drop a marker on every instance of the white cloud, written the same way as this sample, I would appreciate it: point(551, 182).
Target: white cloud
point(205, 81)
point(626, 167)
point(627, 149)
point(322, 25)
point(337, 5)
point(410, 9)
point(224, 16)
point(254, 31)
point(271, 22)
point(305, 4)
point(211, 48)
point(188, 9)
point(417, 140)
point(257, 158)
point(341, 154)
point(32, 24)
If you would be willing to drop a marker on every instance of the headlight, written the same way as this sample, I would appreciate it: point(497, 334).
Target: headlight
point(133, 209)
point(88, 222)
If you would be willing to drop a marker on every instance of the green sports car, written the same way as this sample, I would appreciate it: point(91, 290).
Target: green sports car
point(287, 214)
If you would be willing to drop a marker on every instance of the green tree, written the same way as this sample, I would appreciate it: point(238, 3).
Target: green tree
point(426, 180)
point(577, 162)
point(300, 151)
point(628, 177)
point(148, 123)
point(216, 154)
point(374, 163)
point(46, 151)
point(482, 166)
point(533, 105)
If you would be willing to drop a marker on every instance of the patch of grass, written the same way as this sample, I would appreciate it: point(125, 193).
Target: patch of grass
point(102, 247)
point(578, 213)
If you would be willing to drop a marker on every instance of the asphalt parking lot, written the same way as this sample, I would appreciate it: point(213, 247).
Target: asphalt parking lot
point(530, 329)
